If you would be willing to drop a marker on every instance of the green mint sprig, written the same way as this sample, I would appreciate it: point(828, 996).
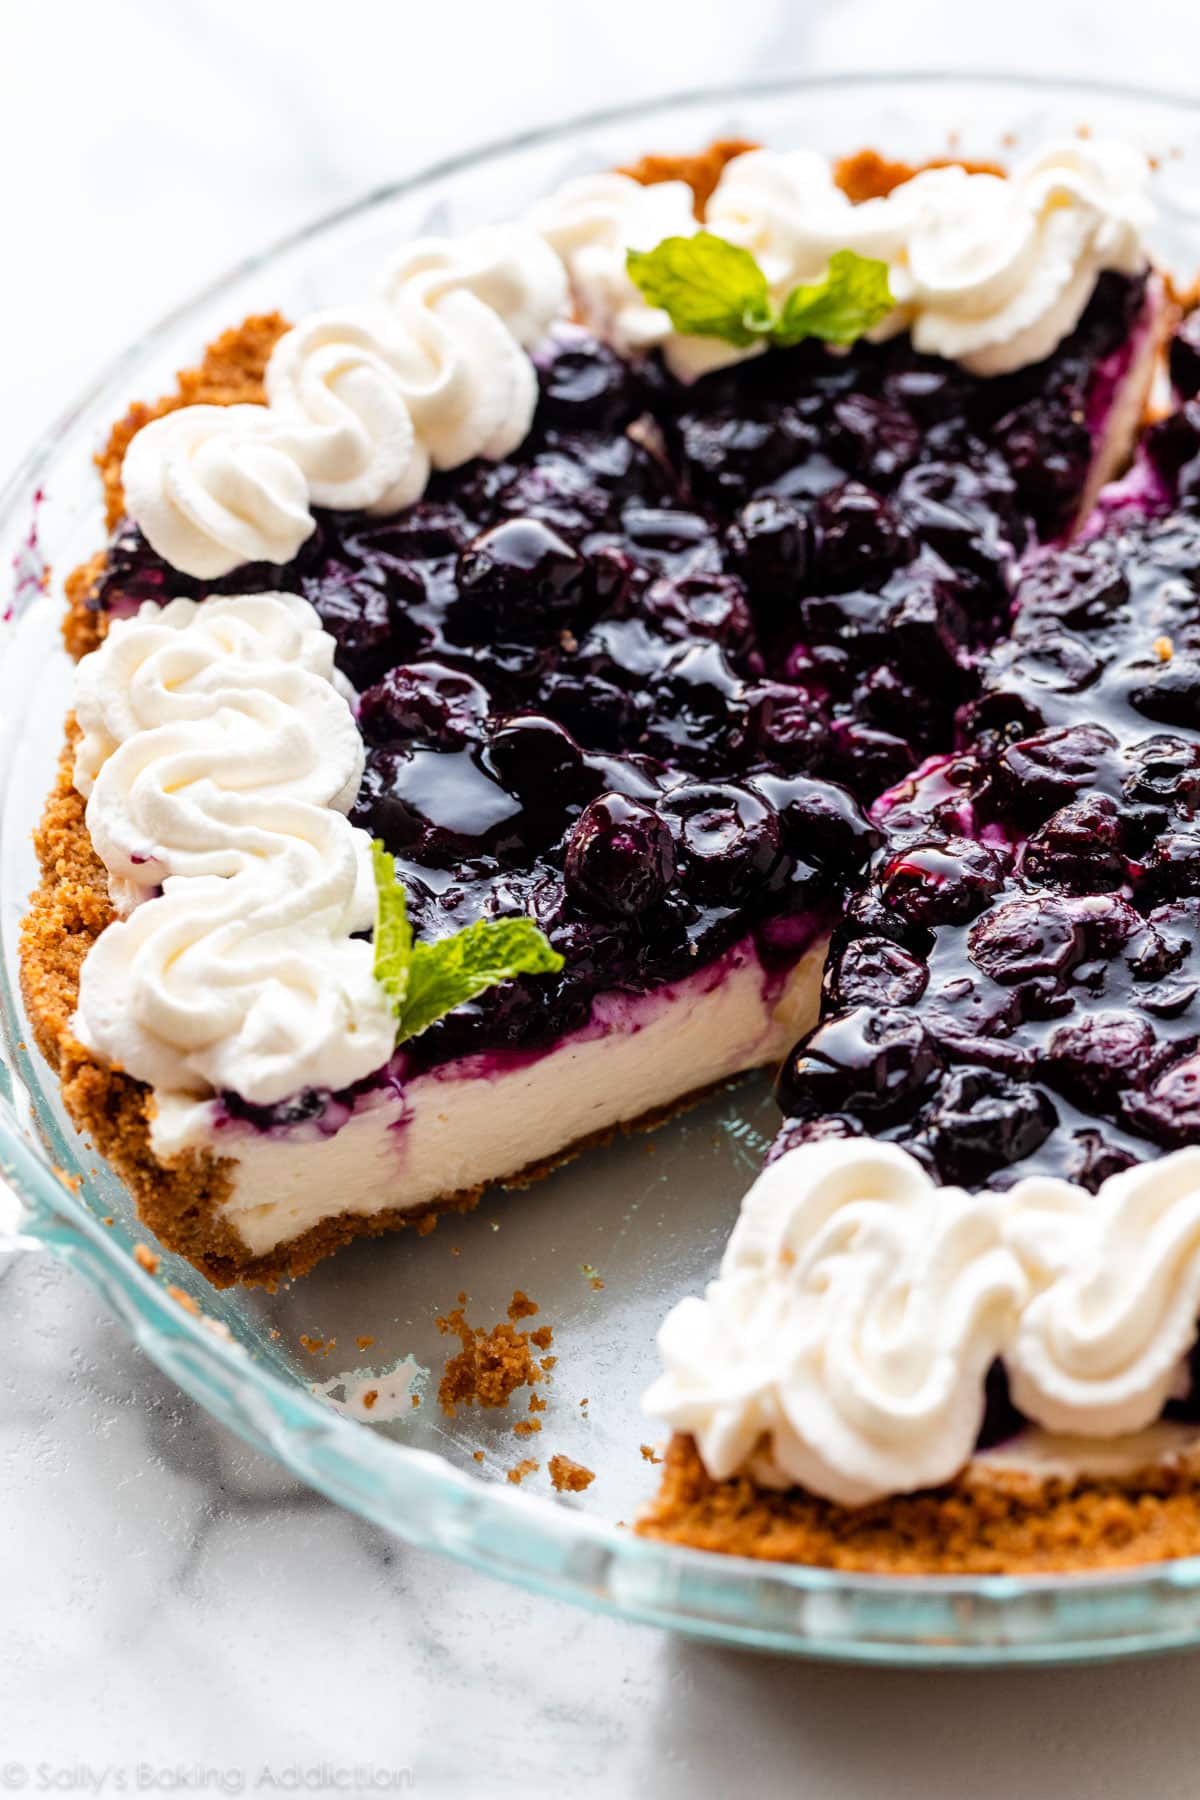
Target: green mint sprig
point(426, 981)
point(712, 288)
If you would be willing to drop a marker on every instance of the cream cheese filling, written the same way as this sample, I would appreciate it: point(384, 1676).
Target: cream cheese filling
point(475, 1121)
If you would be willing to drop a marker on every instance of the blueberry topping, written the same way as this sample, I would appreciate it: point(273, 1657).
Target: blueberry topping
point(620, 857)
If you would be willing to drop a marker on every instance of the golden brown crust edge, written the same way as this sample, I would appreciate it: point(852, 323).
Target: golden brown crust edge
point(977, 1525)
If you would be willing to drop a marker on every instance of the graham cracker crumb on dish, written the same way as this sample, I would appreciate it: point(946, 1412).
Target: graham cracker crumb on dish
point(145, 1258)
point(526, 1427)
point(537, 1403)
point(569, 1477)
point(364, 1343)
point(490, 1365)
point(477, 1455)
point(649, 1453)
point(976, 1525)
point(542, 1338)
point(370, 1397)
point(182, 1298)
point(317, 1346)
point(521, 1307)
point(518, 1473)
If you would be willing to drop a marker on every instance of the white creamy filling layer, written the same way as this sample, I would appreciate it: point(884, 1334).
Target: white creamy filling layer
point(467, 1123)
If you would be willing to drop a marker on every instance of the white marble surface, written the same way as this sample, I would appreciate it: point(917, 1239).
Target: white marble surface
point(176, 1611)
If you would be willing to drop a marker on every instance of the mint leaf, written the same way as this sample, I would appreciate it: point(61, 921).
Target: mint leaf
point(426, 981)
point(393, 933)
point(445, 974)
point(709, 287)
point(853, 296)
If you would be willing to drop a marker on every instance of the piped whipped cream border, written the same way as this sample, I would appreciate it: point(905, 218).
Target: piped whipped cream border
point(845, 1343)
point(365, 400)
point(219, 757)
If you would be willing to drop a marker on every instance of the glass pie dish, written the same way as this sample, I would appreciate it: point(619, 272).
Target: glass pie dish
point(607, 1244)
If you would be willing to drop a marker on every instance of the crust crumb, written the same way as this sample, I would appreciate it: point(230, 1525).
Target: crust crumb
point(370, 1397)
point(146, 1258)
point(868, 176)
point(569, 1477)
point(184, 1299)
point(701, 172)
point(649, 1453)
point(364, 1343)
point(526, 1427)
point(522, 1469)
point(490, 1365)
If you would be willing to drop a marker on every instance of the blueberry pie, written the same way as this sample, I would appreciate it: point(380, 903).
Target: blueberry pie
point(486, 685)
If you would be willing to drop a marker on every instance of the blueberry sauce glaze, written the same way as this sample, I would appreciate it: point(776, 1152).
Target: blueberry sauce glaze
point(636, 679)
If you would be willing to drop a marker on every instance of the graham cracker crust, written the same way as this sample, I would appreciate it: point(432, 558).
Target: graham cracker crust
point(980, 1524)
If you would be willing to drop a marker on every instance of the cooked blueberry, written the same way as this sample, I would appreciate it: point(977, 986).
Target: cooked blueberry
point(728, 839)
point(1043, 771)
point(820, 820)
point(866, 1062)
point(687, 607)
point(368, 617)
point(982, 1120)
point(440, 803)
point(1083, 589)
point(869, 760)
point(584, 384)
point(1025, 939)
point(1092, 1058)
point(787, 729)
point(967, 515)
point(1165, 771)
point(620, 857)
point(1170, 1111)
point(425, 702)
point(1048, 450)
point(1171, 694)
point(1173, 866)
point(1080, 848)
point(874, 437)
point(859, 536)
point(536, 758)
point(521, 574)
point(872, 971)
point(941, 883)
point(769, 541)
point(1184, 357)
